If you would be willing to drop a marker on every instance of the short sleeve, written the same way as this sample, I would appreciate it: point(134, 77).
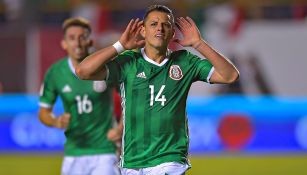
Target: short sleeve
point(203, 68)
point(48, 93)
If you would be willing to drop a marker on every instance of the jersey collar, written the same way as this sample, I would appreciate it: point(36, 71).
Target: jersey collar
point(153, 62)
point(71, 66)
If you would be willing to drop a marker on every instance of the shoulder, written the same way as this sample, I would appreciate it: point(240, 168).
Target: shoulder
point(55, 67)
point(183, 55)
point(128, 56)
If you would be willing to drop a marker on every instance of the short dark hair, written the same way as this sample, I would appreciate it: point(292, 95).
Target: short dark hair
point(78, 21)
point(159, 8)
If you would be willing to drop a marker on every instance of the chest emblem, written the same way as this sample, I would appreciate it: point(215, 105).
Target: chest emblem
point(99, 86)
point(175, 72)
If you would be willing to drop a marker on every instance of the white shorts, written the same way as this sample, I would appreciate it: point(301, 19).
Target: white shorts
point(169, 168)
point(102, 164)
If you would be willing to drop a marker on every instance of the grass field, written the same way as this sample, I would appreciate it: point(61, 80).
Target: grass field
point(206, 165)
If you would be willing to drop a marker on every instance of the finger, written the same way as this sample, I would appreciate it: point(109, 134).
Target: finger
point(179, 27)
point(181, 22)
point(66, 115)
point(140, 23)
point(134, 25)
point(129, 26)
point(190, 20)
point(185, 22)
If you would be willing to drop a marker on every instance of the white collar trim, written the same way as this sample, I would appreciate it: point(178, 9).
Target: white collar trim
point(71, 66)
point(153, 62)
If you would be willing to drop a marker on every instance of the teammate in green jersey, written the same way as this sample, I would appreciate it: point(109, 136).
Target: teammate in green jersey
point(88, 107)
point(154, 88)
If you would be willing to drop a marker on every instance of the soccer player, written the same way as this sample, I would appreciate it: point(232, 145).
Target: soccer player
point(154, 87)
point(88, 107)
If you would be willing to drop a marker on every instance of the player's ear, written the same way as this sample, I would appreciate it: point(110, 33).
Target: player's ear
point(174, 33)
point(91, 43)
point(143, 31)
point(63, 44)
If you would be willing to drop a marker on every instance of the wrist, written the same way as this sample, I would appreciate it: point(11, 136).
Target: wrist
point(55, 122)
point(197, 44)
point(118, 47)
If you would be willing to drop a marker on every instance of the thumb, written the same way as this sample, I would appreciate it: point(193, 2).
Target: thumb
point(178, 41)
point(140, 43)
point(66, 115)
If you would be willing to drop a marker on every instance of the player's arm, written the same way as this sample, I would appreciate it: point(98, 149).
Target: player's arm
point(47, 117)
point(224, 70)
point(93, 66)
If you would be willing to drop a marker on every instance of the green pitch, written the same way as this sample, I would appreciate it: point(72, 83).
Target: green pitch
point(206, 165)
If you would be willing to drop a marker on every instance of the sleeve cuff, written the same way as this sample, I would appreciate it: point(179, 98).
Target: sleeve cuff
point(210, 74)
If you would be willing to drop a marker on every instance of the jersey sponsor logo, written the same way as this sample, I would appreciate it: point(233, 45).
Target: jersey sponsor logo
point(175, 72)
point(99, 86)
point(66, 89)
point(141, 75)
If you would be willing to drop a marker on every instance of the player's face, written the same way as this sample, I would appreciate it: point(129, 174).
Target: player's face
point(158, 29)
point(77, 42)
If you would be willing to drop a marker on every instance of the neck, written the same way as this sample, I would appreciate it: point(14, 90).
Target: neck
point(75, 62)
point(157, 55)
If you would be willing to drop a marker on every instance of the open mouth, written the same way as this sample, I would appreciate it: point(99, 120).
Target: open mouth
point(159, 36)
point(78, 50)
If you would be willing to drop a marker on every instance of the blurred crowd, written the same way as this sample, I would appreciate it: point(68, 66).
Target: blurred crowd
point(22, 22)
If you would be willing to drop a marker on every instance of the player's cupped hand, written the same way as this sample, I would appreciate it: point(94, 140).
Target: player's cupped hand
point(189, 30)
point(131, 38)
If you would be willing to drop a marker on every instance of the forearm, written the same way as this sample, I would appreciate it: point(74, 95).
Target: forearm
point(47, 117)
point(223, 66)
point(94, 65)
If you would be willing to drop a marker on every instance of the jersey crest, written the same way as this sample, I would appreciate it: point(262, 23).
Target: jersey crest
point(99, 86)
point(175, 72)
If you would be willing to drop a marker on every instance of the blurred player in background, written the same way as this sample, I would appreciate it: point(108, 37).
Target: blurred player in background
point(88, 108)
point(154, 87)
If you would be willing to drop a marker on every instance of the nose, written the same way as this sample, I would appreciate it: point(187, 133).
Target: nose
point(160, 27)
point(79, 41)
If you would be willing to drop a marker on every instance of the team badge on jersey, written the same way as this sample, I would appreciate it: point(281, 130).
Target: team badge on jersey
point(175, 72)
point(99, 86)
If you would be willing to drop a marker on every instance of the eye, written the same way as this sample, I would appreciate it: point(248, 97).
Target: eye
point(168, 25)
point(153, 24)
point(83, 37)
point(71, 37)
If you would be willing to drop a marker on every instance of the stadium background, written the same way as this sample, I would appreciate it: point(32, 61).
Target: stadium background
point(256, 126)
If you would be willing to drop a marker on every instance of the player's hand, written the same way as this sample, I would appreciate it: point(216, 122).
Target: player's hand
point(131, 38)
point(189, 30)
point(114, 134)
point(62, 121)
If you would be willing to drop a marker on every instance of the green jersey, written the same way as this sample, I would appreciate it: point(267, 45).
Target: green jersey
point(90, 105)
point(154, 105)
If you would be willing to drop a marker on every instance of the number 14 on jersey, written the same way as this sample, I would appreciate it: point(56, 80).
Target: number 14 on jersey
point(159, 97)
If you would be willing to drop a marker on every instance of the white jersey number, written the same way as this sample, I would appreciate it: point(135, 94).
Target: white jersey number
point(159, 97)
point(84, 104)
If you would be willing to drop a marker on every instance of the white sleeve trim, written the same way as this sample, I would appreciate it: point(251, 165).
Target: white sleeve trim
point(45, 105)
point(108, 72)
point(210, 74)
